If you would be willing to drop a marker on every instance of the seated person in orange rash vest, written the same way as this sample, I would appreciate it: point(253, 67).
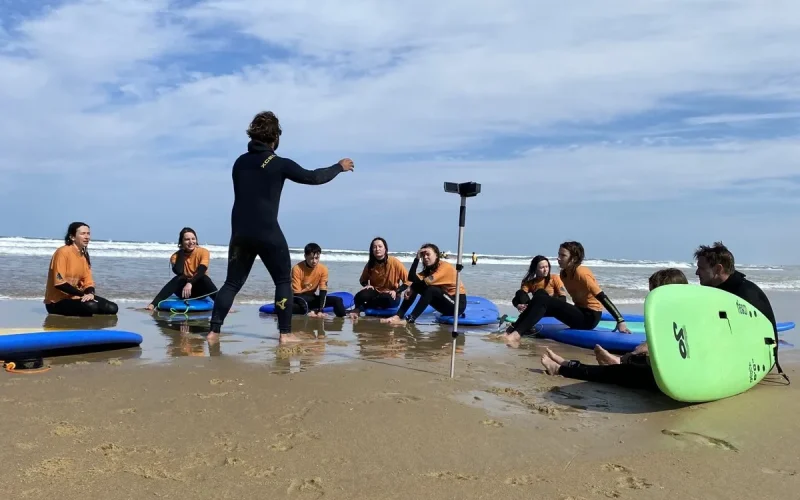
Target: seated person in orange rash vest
point(382, 278)
point(70, 286)
point(307, 277)
point(190, 265)
point(436, 286)
point(538, 278)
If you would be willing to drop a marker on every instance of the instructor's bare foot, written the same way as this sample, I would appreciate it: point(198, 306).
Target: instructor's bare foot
point(604, 357)
point(550, 365)
point(288, 338)
point(212, 338)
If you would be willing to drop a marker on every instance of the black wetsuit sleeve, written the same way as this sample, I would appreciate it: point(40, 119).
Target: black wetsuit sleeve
point(89, 290)
point(201, 271)
point(322, 295)
point(298, 174)
point(69, 289)
point(610, 307)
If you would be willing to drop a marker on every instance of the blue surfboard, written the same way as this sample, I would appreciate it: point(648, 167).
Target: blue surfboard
point(31, 342)
point(391, 311)
point(479, 311)
point(347, 299)
point(175, 304)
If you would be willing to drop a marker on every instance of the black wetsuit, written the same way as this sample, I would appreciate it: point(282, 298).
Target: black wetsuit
point(258, 178)
point(202, 286)
point(76, 307)
point(429, 295)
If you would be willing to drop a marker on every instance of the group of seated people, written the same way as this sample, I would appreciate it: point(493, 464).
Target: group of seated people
point(70, 291)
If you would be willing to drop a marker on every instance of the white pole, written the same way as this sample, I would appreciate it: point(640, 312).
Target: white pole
point(461, 216)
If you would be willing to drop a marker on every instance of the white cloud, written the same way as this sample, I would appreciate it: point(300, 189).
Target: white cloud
point(397, 78)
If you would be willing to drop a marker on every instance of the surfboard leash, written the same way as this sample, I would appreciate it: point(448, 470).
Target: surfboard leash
point(185, 301)
point(11, 367)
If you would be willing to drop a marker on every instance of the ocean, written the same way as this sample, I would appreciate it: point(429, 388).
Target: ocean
point(133, 272)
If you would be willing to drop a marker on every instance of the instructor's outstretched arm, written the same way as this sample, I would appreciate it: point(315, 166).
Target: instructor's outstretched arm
point(296, 173)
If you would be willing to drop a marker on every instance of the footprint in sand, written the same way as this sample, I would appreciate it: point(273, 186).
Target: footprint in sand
point(522, 480)
point(492, 423)
point(287, 441)
point(780, 472)
point(399, 397)
point(450, 475)
point(263, 473)
point(67, 429)
point(633, 483)
point(293, 417)
point(311, 486)
point(609, 467)
point(694, 437)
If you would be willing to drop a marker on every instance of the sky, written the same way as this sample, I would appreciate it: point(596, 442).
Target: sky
point(641, 129)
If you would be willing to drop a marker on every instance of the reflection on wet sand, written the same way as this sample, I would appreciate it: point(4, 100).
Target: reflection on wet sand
point(56, 322)
point(376, 341)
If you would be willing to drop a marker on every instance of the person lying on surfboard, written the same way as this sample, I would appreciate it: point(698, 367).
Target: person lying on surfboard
point(538, 278)
point(587, 296)
point(631, 370)
point(308, 277)
point(190, 266)
point(382, 280)
point(435, 285)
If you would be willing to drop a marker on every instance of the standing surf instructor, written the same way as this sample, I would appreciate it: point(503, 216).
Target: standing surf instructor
point(258, 178)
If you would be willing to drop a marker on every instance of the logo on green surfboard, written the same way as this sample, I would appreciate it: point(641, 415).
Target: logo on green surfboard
point(680, 336)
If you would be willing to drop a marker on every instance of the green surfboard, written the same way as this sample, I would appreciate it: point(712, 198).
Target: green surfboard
point(706, 344)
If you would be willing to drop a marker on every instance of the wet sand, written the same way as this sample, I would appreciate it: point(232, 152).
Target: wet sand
point(361, 413)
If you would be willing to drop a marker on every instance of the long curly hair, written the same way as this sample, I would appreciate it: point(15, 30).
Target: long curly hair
point(265, 128)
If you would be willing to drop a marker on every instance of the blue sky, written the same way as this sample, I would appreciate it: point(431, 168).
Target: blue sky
point(641, 129)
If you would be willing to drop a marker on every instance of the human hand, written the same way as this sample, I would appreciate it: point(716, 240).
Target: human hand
point(407, 293)
point(87, 297)
point(187, 291)
point(622, 327)
point(347, 164)
point(522, 307)
point(392, 294)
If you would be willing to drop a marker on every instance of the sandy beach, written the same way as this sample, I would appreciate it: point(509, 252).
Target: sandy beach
point(357, 412)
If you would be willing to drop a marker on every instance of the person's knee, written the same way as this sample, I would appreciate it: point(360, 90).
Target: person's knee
point(540, 293)
point(110, 308)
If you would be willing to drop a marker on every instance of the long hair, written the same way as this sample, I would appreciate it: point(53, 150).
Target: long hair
point(531, 274)
point(72, 230)
point(372, 261)
point(576, 255)
point(428, 270)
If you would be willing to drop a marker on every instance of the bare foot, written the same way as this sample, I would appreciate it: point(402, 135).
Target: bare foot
point(513, 336)
point(288, 338)
point(394, 320)
point(555, 357)
point(212, 338)
point(550, 366)
point(604, 357)
point(149, 307)
point(354, 316)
